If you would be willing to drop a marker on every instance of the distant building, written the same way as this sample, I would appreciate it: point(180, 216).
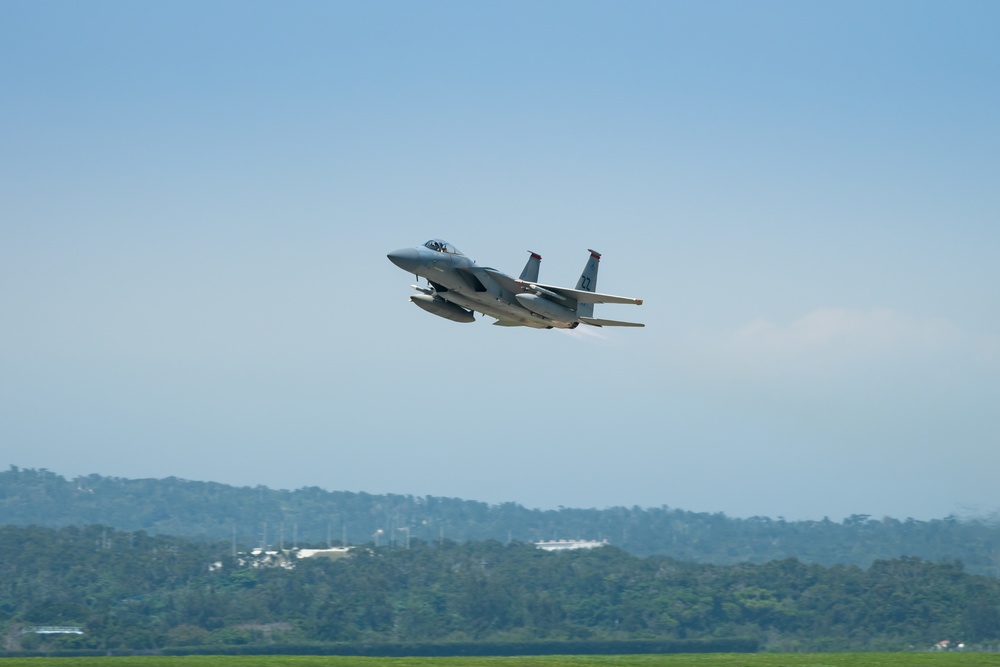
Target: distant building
point(946, 645)
point(54, 630)
point(569, 545)
point(284, 558)
point(332, 552)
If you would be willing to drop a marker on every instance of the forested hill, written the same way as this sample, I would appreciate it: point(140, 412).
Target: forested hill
point(140, 592)
point(252, 515)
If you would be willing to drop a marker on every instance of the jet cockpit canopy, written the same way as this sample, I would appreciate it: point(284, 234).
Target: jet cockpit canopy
point(437, 245)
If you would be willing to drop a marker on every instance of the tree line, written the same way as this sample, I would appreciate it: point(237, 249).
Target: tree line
point(128, 590)
point(259, 515)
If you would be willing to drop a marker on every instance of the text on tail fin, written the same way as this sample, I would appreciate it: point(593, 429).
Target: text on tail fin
point(588, 282)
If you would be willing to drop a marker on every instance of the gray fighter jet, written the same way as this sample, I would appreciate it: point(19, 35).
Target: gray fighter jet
point(456, 287)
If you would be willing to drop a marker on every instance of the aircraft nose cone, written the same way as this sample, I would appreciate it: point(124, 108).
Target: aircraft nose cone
point(407, 259)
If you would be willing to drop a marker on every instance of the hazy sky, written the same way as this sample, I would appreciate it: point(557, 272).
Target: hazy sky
point(196, 201)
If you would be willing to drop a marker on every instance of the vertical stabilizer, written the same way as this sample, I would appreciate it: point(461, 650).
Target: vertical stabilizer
point(530, 272)
point(588, 282)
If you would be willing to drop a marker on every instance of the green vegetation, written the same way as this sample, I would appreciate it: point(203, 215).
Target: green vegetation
point(712, 660)
point(131, 591)
point(210, 511)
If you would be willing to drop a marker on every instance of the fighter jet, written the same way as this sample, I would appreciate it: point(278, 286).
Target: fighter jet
point(457, 288)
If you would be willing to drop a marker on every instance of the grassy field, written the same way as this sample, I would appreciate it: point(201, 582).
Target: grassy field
point(673, 660)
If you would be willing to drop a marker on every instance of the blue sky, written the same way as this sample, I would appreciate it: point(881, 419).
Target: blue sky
point(196, 200)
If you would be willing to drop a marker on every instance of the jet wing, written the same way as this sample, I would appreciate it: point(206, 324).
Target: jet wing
point(582, 296)
point(578, 295)
point(506, 281)
point(471, 279)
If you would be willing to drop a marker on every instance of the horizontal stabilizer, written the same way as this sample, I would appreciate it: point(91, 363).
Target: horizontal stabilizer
point(594, 322)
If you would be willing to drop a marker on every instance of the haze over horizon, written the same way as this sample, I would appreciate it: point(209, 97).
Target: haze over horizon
point(962, 514)
point(197, 200)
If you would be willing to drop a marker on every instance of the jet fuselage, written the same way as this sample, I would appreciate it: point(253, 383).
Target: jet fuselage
point(458, 286)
